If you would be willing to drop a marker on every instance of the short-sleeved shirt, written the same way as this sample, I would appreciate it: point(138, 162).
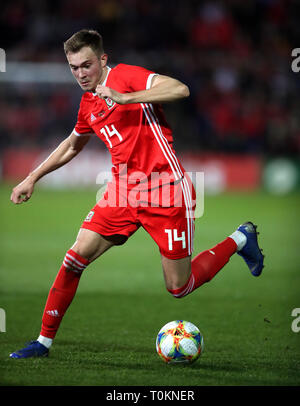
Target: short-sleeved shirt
point(137, 135)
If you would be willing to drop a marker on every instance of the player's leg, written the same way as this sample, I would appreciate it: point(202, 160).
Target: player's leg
point(183, 276)
point(88, 246)
point(176, 271)
point(103, 228)
point(173, 230)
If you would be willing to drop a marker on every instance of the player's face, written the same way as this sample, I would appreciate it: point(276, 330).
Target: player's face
point(87, 68)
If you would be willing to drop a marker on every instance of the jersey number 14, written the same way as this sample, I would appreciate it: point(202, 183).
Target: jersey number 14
point(173, 236)
point(109, 133)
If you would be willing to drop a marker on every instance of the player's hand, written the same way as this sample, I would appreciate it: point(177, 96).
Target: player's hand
point(106, 92)
point(22, 192)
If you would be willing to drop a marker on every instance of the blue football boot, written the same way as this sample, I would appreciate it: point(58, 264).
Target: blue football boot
point(34, 349)
point(251, 252)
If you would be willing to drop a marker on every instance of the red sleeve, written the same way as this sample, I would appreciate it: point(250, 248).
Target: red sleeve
point(135, 77)
point(82, 127)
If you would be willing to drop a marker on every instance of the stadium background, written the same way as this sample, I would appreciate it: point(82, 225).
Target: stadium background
point(240, 126)
point(235, 57)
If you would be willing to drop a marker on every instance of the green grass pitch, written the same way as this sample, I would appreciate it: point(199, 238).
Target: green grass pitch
point(108, 334)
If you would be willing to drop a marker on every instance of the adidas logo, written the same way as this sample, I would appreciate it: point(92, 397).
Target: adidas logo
point(53, 313)
point(93, 118)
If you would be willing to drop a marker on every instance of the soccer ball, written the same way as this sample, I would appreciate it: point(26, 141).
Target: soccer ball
point(179, 341)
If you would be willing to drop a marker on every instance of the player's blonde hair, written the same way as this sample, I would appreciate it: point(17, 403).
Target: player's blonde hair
point(83, 38)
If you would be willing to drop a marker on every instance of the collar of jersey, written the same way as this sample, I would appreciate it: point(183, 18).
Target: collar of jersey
point(105, 80)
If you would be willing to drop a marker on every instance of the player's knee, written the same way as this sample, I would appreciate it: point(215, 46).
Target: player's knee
point(180, 288)
point(90, 245)
point(176, 291)
point(87, 251)
point(80, 250)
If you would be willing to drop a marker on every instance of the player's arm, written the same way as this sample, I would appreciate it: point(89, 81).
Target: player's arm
point(66, 151)
point(163, 89)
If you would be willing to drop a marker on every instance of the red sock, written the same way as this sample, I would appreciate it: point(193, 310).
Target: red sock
point(62, 292)
point(206, 265)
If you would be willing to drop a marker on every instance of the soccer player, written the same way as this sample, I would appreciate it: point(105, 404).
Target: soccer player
point(122, 106)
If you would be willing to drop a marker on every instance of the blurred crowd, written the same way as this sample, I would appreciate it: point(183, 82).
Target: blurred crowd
point(234, 55)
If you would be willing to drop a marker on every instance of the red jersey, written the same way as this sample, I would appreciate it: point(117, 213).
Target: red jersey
point(137, 135)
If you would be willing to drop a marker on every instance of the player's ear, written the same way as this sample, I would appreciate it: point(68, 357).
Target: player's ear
point(103, 60)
